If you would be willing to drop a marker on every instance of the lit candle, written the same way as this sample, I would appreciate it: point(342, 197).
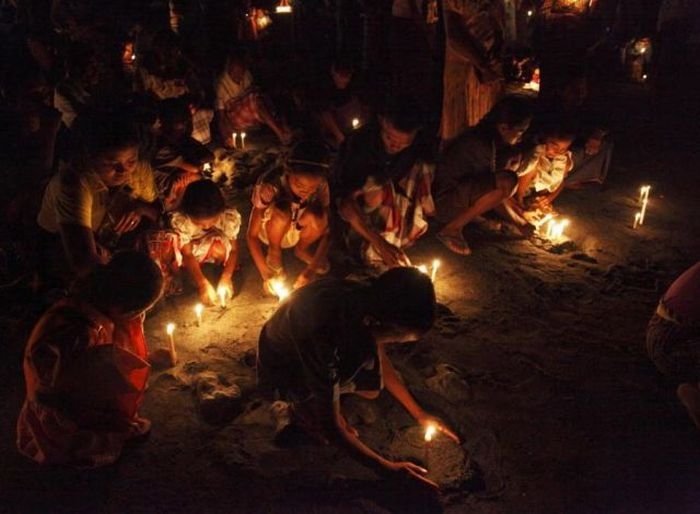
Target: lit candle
point(170, 330)
point(198, 310)
point(433, 271)
point(279, 289)
point(355, 123)
point(422, 268)
point(243, 140)
point(223, 293)
point(430, 431)
point(234, 136)
point(644, 193)
point(529, 13)
point(643, 212)
point(207, 167)
point(637, 218)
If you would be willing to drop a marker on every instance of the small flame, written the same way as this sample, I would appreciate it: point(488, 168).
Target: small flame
point(279, 289)
point(223, 293)
point(422, 268)
point(170, 328)
point(198, 310)
point(355, 123)
point(430, 432)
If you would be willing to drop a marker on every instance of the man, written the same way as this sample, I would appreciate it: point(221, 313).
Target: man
point(475, 174)
point(383, 185)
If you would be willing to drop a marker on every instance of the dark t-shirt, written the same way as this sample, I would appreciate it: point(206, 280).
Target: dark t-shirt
point(363, 155)
point(317, 340)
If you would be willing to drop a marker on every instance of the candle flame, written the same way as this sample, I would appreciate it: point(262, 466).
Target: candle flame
point(422, 268)
point(279, 289)
point(430, 432)
point(198, 310)
point(433, 273)
point(223, 293)
point(170, 328)
point(355, 123)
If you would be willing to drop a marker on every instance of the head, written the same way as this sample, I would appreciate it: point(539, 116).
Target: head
point(557, 138)
point(511, 118)
point(403, 306)
point(204, 203)
point(399, 121)
point(236, 66)
point(573, 87)
point(109, 147)
point(126, 287)
point(175, 118)
point(341, 73)
point(307, 167)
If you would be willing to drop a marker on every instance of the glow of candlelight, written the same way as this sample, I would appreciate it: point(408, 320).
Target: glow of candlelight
point(422, 268)
point(643, 212)
point(223, 293)
point(644, 193)
point(434, 268)
point(207, 166)
point(234, 136)
point(430, 432)
point(529, 13)
point(279, 289)
point(283, 7)
point(198, 310)
point(637, 218)
point(355, 123)
point(243, 140)
point(170, 330)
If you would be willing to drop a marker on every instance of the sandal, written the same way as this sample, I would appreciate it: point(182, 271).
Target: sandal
point(455, 244)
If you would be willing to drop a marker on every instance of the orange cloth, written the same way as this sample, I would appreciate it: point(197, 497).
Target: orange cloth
point(85, 377)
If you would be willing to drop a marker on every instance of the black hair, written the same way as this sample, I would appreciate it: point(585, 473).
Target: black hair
point(404, 297)
point(512, 110)
point(342, 64)
point(174, 110)
point(130, 282)
point(309, 158)
point(100, 131)
point(557, 127)
point(403, 112)
point(202, 199)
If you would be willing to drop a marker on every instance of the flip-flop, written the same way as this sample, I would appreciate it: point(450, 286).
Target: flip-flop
point(455, 244)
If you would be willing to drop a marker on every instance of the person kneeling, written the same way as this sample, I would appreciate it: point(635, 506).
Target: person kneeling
point(329, 339)
point(86, 367)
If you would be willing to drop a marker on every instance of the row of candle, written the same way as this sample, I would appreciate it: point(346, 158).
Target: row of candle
point(433, 269)
point(234, 137)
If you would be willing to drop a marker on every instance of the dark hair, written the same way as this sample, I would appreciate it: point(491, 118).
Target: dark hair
point(102, 131)
point(342, 64)
point(309, 158)
point(405, 297)
point(403, 112)
point(560, 128)
point(202, 199)
point(174, 110)
point(511, 110)
point(130, 282)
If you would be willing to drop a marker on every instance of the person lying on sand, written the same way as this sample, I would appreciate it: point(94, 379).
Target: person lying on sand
point(329, 339)
point(673, 338)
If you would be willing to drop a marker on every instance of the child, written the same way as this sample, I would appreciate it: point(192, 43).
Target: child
point(542, 177)
point(207, 233)
point(86, 367)
point(673, 338)
point(239, 106)
point(330, 338)
point(179, 158)
point(290, 209)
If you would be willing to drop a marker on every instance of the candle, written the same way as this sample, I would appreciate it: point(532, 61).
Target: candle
point(422, 268)
point(637, 218)
point(529, 13)
point(279, 289)
point(433, 272)
point(234, 136)
point(223, 293)
point(643, 212)
point(644, 193)
point(243, 140)
point(198, 310)
point(170, 330)
point(207, 167)
point(430, 431)
point(355, 123)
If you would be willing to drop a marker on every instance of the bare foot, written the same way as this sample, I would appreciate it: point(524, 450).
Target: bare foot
point(454, 242)
point(689, 395)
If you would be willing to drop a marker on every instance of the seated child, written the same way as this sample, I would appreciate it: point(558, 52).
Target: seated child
point(179, 159)
point(240, 106)
point(329, 339)
point(541, 178)
point(673, 338)
point(86, 367)
point(290, 209)
point(207, 233)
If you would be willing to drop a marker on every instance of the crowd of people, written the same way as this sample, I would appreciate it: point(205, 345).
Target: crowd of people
point(120, 133)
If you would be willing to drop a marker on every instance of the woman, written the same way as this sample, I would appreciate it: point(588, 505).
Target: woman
point(102, 195)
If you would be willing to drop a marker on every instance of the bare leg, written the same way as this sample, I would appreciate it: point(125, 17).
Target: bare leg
point(313, 227)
